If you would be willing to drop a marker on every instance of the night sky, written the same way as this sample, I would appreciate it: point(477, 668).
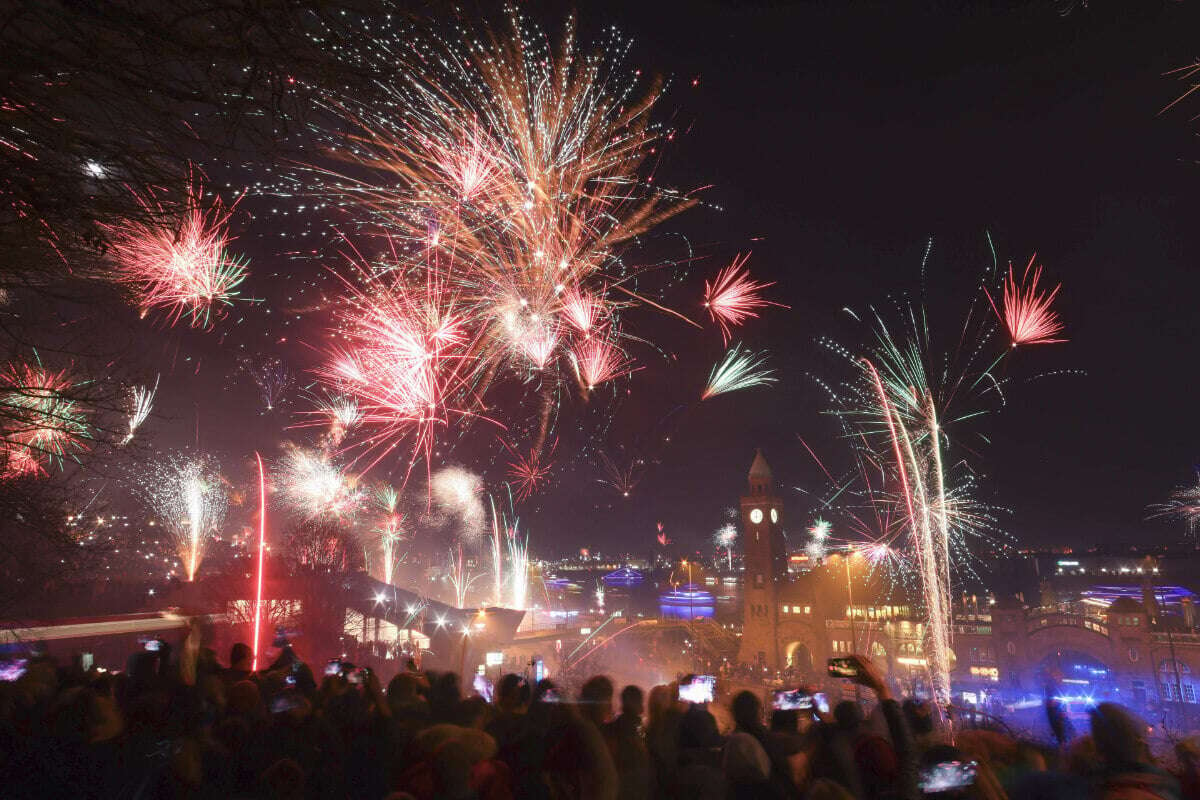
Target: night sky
point(837, 139)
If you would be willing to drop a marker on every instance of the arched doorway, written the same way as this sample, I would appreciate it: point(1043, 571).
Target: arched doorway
point(799, 657)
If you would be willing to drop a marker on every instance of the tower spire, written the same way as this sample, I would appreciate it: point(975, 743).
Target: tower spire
point(761, 480)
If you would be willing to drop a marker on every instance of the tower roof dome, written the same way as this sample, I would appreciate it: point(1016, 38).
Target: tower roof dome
point(760, 471)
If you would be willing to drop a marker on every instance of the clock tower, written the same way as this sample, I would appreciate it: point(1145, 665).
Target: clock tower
point(765, 566)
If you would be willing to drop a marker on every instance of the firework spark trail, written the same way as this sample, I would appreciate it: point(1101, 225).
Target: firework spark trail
point(387, 499)
point(40, 422)
point(925, 551)
point(739, 369)
point(143, 403)
point(621, 479)
point(178, 261)
point(1027, 313)
point(460, 576)
point(518, 568)
point(733, 297)
point(496, 542)
point(187, 494)
point(262, 548)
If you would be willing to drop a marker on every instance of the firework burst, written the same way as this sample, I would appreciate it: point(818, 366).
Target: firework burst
point(1183, 504)
point(1027, 314)
point(178, 261)
point(724, 539)
point(459, 493)
point(733, 297)
point(505, 173)
point(271, 376)
point(739, 369)
point(529, 472)
point(597, 360)
point(40, 421)
point(316, 488)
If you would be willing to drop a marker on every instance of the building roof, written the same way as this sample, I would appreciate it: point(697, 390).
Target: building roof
point(760, 471)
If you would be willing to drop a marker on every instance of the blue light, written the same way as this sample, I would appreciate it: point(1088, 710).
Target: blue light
point(687, 602)
point(625, 576)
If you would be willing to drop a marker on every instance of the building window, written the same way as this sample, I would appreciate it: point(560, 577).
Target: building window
point(1133, 654)
point(786, 609)
point(1189, 693)
point(808, 609)
point(758, 581)
point(1010, 648)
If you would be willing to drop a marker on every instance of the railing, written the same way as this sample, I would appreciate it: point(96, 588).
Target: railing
point(1094, 624)
point(1162, 637)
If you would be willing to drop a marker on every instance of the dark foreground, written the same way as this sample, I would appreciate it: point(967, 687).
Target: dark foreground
point(181, 725)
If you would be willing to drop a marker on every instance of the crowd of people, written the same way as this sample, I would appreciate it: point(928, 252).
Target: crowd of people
point(179, 724)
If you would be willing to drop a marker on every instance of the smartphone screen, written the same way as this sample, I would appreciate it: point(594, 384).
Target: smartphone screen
point(702, 689)
point(284, 702)
point(947, 776)
point(789, 699)
point(12, 669)
point(153, 645)
point(842, 668)
point(483, 687)
point(333, 667)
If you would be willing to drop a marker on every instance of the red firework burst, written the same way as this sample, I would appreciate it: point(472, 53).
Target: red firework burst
point(178, 262)
point(581, 309)
point(598, 361)
point(732, 298)
point(529, 472)
point(1027, 314)
point(39, 422)
point(408, 357)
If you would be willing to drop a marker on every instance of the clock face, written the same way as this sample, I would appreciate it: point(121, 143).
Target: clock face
point(774, 515)
point(756, 515)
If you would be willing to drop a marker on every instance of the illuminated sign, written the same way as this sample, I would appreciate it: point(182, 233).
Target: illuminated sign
point(494, 659)
point(1068, 563)
point(988, 673)
point(912, 662)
